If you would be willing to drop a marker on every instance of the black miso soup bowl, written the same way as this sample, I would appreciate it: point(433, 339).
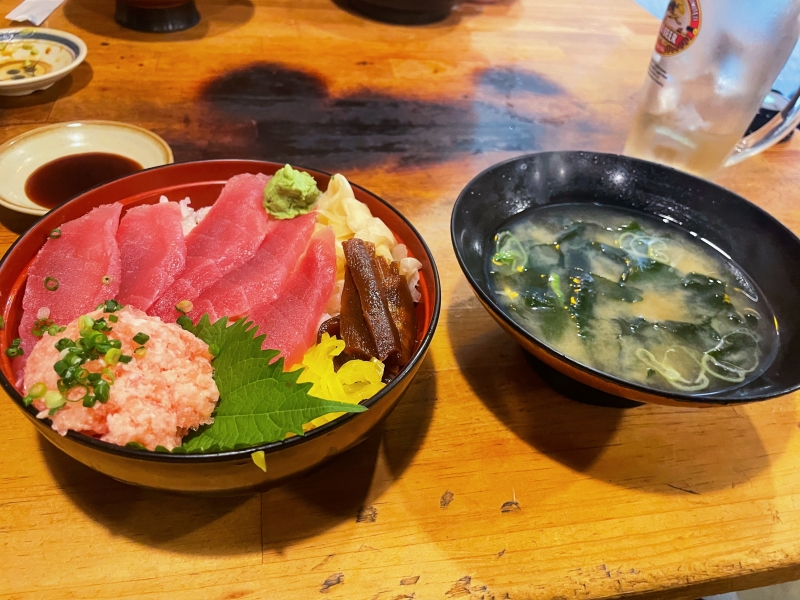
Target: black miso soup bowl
point(766, 250)
point(212, 473)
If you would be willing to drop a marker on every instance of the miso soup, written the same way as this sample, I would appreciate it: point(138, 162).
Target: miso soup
point(632, 296)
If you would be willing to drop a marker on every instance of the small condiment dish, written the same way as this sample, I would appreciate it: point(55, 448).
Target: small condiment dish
point(35, 59)
point(21, 156)
point(761, 246)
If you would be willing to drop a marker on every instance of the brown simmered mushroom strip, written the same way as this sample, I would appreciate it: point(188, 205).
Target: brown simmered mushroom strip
point(401, 307)
point(375, 307)
point(332, 327)
point(354, 331)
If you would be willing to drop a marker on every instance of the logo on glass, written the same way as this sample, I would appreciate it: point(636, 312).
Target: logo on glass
point(679, 28)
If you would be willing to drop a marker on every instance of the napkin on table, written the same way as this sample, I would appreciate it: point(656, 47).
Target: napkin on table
point(35, 11)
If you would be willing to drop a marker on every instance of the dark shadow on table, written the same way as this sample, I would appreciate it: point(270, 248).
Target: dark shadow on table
point(346, 487)
point(64, 88)
point(15, 221)
point(181, 524)
point(658, 449)
point(98, 18)
point(276, 112)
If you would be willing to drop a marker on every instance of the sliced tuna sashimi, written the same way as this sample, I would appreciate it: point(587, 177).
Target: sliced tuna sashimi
point(226, 238)
point(291, 320)
point(262, 278)
point(83, 266)
point(152, 250)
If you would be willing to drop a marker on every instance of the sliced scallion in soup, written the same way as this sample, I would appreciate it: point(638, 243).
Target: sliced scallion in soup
point(632, 296)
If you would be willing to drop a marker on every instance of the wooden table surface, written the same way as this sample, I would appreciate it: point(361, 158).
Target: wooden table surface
point(484, 483)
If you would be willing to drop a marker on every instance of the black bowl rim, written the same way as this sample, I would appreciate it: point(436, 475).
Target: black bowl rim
point(711, 398)
point(242, 453)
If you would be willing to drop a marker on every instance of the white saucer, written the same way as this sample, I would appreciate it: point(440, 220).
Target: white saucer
point(21, 156)
point(35, 59)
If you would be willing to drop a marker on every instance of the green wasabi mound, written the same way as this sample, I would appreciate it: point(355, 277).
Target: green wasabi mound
point(290, 193)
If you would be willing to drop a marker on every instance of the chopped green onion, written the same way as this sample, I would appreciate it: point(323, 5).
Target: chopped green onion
point(102, 391)
point(125, 359)
point(55, 234)
point(41, 326)
point(99, 338)
point(85, 392)
point(140, 352)
point(72, 359)
point(89, 400)
point(27, 400)
point(141, 338)
point(85, 322)
point(64, 343)
point(51, 284)
point(110, 374)
point(16, 342)
point(38, 390)
point(110, 306)
point(115, 343)
point(113, 318)
point(2, 322)
point(14, 352)
point(54, 400)
point(184, 306)
point(93, 377)
point(112, 356)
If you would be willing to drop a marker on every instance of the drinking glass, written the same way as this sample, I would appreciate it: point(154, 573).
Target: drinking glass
point(713, 64)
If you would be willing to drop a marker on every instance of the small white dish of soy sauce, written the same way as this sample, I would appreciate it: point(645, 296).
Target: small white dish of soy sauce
point(47, 166)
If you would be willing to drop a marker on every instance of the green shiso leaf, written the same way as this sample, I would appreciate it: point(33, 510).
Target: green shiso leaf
point(259, 403)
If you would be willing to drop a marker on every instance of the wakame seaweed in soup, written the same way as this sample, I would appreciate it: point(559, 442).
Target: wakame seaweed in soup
point(631, 296)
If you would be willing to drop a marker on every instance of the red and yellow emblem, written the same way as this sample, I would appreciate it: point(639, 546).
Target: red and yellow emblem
point(679, 28)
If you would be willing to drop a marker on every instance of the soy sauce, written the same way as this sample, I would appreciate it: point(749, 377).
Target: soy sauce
point(59, 180)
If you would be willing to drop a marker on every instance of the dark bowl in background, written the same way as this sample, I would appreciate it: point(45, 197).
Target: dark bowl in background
point(215, 473)
point(401, 12)
point(156, 16)
point(766, 250)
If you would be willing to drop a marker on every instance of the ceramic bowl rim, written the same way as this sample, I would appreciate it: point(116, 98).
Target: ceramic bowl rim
point(268, 448)
point(712, 398)
point(53, 76)
point(45, 129)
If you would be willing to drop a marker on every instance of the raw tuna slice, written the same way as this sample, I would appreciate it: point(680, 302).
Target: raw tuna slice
point(262, 278)
point(226, 238)
point(152, 250)
point(291, 320)
point(83, 264)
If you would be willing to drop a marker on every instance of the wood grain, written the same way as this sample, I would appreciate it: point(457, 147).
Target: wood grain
point(484, 483)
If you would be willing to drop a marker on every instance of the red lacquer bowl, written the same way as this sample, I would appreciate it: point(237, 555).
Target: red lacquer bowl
point(219, 472)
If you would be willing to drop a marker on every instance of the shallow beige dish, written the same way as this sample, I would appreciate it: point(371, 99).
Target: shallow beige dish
point(35, 59)
point(21, 156)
